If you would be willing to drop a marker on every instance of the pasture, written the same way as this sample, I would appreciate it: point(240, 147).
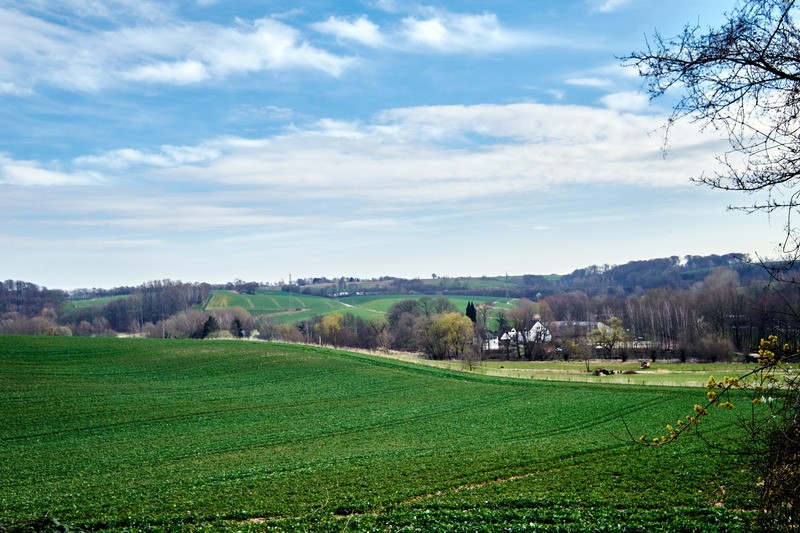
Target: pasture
point(168, 435)
point(665, 374)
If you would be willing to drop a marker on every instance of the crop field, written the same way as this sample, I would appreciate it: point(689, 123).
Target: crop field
point(168, 435)
point(283, 307)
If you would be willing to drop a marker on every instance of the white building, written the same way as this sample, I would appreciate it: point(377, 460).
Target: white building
point(537, 333)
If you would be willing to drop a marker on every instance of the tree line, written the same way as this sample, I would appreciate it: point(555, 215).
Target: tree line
point(714, 317)
point(630, 279)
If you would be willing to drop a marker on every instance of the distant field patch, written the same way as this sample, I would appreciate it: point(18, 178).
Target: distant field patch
point(71, 305)
point(281, 306)
point(382, 303)
point(217, 300)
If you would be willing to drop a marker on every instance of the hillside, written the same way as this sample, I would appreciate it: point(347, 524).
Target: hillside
point(291, 308)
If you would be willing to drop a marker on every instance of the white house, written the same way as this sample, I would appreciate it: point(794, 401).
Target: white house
point(538, 332)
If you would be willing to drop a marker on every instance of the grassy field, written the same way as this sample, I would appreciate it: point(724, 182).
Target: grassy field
point(285, 307)
point(144, 434)
point(71, 305)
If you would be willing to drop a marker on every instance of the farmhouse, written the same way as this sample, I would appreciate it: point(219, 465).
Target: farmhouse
point(538, 332)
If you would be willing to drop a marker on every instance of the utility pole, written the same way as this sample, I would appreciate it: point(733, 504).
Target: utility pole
point(291, 298)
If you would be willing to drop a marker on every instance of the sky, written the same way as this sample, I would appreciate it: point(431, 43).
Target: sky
point(208, 140)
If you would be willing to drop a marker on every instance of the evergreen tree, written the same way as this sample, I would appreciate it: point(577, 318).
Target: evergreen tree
point(471, 312)
point(210, 326)
point(237, 327)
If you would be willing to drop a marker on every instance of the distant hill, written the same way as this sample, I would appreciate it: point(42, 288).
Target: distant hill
point(629, 279)
point(674, 272)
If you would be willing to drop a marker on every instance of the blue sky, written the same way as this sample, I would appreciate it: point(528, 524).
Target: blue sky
point(207, 140)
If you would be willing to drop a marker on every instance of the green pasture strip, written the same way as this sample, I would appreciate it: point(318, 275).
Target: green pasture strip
point(718, 369)
point(150, 434)
point(498, 282)
point(71, 305)
point(292, 308)
point(490, 283)
point(661, 374)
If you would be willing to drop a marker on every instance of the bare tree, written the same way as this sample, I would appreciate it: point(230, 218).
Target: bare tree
point(742, 79)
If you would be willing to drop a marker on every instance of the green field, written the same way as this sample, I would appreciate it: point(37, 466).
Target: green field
point(282, 307)
point(71, 305)
point(286, 307)
point(382, 303)
point(146, 434)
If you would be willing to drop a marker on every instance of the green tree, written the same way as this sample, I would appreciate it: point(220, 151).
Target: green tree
point(610, 336)
point(444, 336)
point(472, 312)
point(210, 326)
point(237, 327)
point(458, 331)
point(331, 327)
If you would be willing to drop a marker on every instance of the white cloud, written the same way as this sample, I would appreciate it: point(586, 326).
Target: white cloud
point(34, 51)
point(429, 29)
point(336, 178)
point(114, 10)
point(390, 6)
point(437, 153)
point(626, 101)
point(608, 6)
point(43, 243)
point(34, 174)
point(453, 33)
point(360, 30)
point(178, 73)
point(167, 156)
point(244, 112)
point(590, 82)
point(265, 45)
point(14, 90)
